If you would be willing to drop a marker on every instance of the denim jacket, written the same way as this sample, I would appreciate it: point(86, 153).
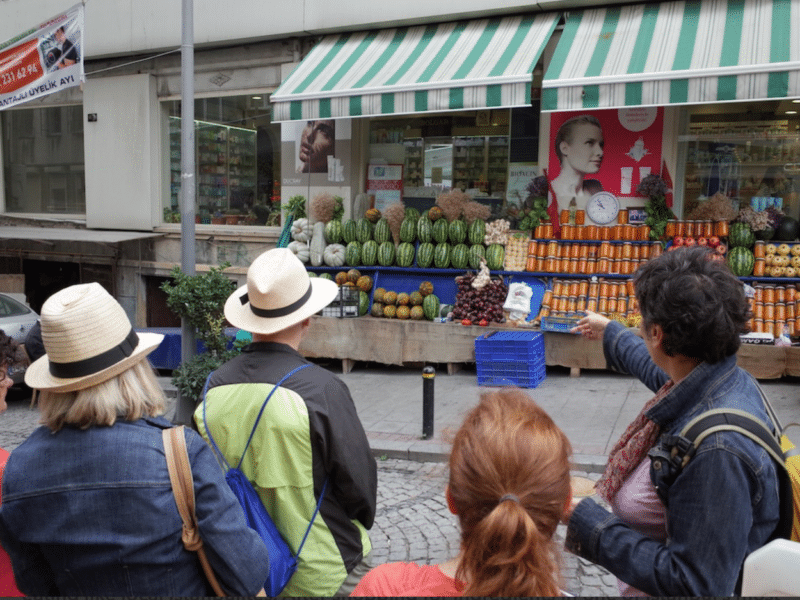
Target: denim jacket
point(90, 512)
point(722, 506)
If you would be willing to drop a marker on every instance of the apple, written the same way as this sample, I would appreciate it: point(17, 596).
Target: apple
point(677, 241)
point(689, 242)
point(721, 249)
point(717, 257)
point(701, 241)
point(713, 241)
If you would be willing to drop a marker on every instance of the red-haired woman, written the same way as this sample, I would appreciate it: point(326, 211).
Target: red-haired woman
point(509, 486)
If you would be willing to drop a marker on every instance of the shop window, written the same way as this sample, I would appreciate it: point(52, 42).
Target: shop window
point(237, 158)
point(43, 170)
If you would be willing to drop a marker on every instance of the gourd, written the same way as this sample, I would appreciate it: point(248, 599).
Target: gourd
point(301, 250)
point(301, 230)
point(334, 255)
point(317, 247)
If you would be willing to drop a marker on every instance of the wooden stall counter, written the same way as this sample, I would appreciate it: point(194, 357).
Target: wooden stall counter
point(396, 342)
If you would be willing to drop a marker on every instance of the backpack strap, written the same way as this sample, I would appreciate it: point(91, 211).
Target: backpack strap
point(314, 516)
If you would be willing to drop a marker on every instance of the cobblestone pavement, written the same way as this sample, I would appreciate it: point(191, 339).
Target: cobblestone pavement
point(413, 524)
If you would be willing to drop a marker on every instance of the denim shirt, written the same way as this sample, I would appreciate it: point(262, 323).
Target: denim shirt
point(722, 506)
point(90, 512)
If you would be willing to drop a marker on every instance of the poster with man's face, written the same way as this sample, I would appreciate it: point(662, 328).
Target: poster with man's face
point(603, 150)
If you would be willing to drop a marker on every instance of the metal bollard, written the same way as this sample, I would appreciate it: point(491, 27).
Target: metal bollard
point(428, 376)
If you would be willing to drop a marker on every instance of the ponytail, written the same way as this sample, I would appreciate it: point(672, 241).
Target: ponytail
point(509, 484)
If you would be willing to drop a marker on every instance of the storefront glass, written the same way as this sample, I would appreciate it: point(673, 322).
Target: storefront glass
point(237, 158)
point(43, 160)
point(749, 153)
point(440, 152)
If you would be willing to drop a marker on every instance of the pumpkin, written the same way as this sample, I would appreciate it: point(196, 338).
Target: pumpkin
point(300, 250)
point(301, 230)
point(333, 255)
point(317, 245)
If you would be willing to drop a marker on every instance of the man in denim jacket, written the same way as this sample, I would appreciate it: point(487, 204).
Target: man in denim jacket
point(725, 503)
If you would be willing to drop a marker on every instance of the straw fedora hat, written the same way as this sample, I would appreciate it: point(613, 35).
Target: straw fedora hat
point(278, 294)
point(88, 339)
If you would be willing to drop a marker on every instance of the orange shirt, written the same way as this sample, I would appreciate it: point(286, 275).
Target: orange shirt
point(407, 579)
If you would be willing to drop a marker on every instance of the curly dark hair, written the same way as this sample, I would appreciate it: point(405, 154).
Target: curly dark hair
point(8, 350)
point(699, 304)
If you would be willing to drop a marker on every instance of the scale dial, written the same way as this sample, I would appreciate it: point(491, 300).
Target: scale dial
point(602, 208)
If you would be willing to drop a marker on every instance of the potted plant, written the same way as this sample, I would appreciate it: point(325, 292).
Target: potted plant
point(171, 215)
point(201, 300)
point(232, 216)
point(217, 218)
point(654, 188)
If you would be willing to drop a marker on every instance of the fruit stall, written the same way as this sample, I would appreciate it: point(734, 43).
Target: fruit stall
point(424, 287)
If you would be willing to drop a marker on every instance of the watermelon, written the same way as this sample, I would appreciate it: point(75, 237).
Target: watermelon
point(495, 255)
point(363, 230)
point(412, 213)
point(788, 229)
point(476, 231)
point(459, 256)
point(457, 232)
point(363, 303)
point(441, 256)
point(352, 254)
point(741, 235)
point(404, 257)
point(440, 231)
point(430, 307)
point(327, 276)
point(333, 231)
point(741, 261)
point(386, 254)
point(476, 253)
point(425, 255)
point(382, 233)
point(348, 231)
point(408, 230)
point(424, 229)
point(369, 253)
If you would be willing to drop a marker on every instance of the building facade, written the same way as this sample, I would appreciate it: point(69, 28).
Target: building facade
point(90, 179)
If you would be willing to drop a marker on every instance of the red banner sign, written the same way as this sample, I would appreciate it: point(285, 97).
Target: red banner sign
point(43, 60)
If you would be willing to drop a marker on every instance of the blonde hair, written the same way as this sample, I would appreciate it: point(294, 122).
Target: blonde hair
point(131, 395)
point(508, 445)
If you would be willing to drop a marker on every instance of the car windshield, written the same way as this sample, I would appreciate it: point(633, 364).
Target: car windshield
point(11, 308)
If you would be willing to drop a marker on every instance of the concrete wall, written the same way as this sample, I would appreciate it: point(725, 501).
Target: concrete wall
point(129, 26)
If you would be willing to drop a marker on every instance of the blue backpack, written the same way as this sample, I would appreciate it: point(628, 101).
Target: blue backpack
point(282, 563)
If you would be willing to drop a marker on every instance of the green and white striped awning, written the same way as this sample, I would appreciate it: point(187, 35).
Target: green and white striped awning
point(675, 53)
point(485, 63)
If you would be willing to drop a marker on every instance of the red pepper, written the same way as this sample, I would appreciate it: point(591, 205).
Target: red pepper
point(466, 322)
point(483, 323)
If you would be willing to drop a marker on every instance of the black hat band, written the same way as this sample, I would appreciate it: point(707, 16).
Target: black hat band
point(271, 313)
point(95, 364)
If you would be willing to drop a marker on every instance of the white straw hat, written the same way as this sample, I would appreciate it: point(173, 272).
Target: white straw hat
point(279, 293)
point(88, 339)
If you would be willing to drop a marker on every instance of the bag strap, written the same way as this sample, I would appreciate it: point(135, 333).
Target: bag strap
point(258, 418)
point(314, 516)
point(180, 476)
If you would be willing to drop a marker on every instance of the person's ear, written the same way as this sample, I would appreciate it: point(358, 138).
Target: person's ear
point(450, 505)
point(656, 334)
point(564, 147)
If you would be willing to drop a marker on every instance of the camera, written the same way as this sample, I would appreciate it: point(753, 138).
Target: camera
point(52, 56)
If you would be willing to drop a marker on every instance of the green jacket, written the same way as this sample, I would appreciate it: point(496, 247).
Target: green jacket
point(309, 431)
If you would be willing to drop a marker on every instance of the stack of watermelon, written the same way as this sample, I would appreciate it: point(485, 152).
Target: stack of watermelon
point(740, 256)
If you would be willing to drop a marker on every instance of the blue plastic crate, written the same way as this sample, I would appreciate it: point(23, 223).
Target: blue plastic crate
point(515, 358)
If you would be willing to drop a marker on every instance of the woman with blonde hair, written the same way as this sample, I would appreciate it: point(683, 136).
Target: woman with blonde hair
point(88, 507)
point(509, 486)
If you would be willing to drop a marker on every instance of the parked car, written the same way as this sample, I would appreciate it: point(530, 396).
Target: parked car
point(16, 320)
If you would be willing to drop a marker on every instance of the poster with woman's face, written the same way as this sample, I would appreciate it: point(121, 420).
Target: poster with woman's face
point(603, 150)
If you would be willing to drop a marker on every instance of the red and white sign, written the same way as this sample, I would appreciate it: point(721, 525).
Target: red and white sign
point(42, 60)
point(385, 183)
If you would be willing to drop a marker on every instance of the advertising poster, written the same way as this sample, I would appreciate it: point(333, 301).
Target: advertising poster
point(603, 150)
point(42, 60)
point(314, 152)
point(385, 184)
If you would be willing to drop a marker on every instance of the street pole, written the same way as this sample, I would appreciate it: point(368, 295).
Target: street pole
point(185, 406)
point(428, 375)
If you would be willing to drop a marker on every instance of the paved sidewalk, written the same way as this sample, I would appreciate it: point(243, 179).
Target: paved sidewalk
point(593, 409)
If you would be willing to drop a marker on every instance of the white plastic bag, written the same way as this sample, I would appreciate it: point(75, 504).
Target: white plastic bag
point(518, 301)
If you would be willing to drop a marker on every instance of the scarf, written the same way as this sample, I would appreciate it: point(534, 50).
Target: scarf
point(631, 448)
